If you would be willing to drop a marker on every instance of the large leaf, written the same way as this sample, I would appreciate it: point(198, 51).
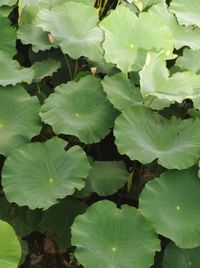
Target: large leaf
point(172, 203)
point(19, 119)
point(106, 236)
point(146, 136)
point(10, 250)
point(58, 219)
point(175, 257)
point(187, 12)
point(76, 35)
point(183, 36)
point(8, 37)
point(57, 175)
point(128, 37)
point(12, 73)
point(155, 81)
point(80, 109)
point(105, 178)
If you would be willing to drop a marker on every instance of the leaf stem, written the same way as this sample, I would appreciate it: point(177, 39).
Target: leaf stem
point(68, 67)
point(151, 101)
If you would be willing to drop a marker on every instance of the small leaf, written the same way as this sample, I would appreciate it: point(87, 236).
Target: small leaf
point(105, 178)
point(45, 68)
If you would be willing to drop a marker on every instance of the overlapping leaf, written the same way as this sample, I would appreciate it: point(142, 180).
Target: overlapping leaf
point(8, 37)
point(105, 178)
point(146, 136)
point(156, 81)
point(117, 237)
point(189, 60)
point(181, 258)
point(122, 93)
point(8, 2)
point(183, 36)
point(76, 36)
point(19, 119)
point(57, 175)
point(10, 250)
point(58, 219)
point(172, 203)
point(11, 73)
point(187, 12)
point(128, 38)
point(80, 109)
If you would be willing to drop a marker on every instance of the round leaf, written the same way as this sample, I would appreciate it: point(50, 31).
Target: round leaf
point(145, 136)
point(19, 119)
point(106, 236)
point(128, 38)
point(80, 109)
point(39, 174)
point(181, 258)
point(10, 250)
point(172, 203)
point(189, 61)
point(105, 178)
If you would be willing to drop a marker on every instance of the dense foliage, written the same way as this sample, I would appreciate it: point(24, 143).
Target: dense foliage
point(100, 133)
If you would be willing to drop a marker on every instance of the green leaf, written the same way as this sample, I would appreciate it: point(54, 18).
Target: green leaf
point(58, 219)
point(45, 68)
point(172, 204)
point(80, 109)
point(11, 73)
point(181, 258)
point(8, 37)
point(128, 38)
point(189, 61)
point(155, 81)
point(143, 4)
point(187, 12)
point(118, 237)
point(19, 119)
point(105, 178)
point(183, 36)
point(76, 36)
point(31, 34)
point(58, 173)
point(145, 136)
point(121, 91)
point(10, 250)
point(8, 2)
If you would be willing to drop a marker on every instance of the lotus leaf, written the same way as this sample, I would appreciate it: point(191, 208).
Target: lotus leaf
point(106, 236)
point(175, 199)
point(58, 173)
